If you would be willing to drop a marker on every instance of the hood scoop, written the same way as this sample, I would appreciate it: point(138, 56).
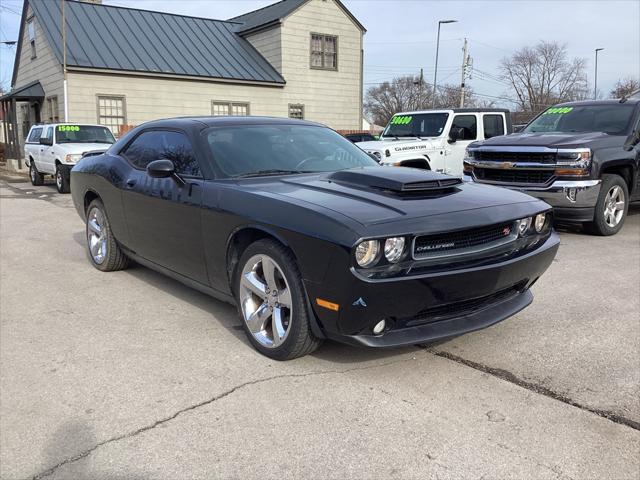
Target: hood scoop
point(397, 181)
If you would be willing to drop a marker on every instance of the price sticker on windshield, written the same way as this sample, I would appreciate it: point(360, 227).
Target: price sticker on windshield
point(401, 120)
point(558, 110)
point(68, 128)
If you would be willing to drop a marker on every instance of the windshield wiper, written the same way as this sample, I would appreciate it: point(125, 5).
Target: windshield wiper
point(266, 173)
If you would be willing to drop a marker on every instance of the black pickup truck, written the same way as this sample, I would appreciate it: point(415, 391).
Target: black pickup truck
point(582, 158)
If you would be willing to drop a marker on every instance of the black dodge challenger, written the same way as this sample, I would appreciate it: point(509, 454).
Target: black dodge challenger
point(308, 235)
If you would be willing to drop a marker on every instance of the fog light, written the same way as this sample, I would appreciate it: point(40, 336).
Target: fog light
point(379, 328)
point(571, 194)
point(541, 218)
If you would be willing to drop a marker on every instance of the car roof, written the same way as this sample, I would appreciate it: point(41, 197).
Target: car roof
point(208, 121)
point(457, 110)
point(614, 101)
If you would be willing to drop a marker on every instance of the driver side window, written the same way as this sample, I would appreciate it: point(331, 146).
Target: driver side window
point(467, 126)
point(160, 145)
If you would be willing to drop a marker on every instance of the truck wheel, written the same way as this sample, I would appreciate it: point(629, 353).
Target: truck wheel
point(273, 303)
point(104, 252)
point(62, 180)
point(36, 177)
point(612, 206)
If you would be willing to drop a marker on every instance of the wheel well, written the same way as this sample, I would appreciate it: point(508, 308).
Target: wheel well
point(239, 243)
point(624, 171)
point(416, 163)
point(88, 198)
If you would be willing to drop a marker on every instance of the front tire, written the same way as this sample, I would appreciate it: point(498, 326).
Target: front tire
point(612, 206)
point(36, 177)
point(104, 252)
point(272, 302)
point(62, 180)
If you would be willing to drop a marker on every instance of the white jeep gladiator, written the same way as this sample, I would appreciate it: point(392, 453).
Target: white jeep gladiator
point(53, 149)
point(436, 139)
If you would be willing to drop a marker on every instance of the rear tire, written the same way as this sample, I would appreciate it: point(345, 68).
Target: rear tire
point(36, 177)
point(62, 180)
point(612, 206)
point(271, 298)
point(104, 252)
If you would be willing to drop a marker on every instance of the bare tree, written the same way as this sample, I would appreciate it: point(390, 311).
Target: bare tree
point(410, 93)
point(543, 75)
point(625, 87)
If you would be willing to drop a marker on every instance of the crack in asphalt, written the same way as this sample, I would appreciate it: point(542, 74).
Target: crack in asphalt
point(539, 389)
point(85, 453)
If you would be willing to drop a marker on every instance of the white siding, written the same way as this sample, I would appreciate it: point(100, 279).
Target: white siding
point(44, 68)
point(330, 97)
point(269, 44)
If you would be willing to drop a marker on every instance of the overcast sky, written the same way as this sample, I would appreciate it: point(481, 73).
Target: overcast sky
point(401, 34)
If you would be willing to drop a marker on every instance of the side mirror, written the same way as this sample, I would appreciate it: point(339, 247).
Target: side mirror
point(454, 134)
point(164, 169)
point(46, 141)
point(632, 140)
point(374, 157)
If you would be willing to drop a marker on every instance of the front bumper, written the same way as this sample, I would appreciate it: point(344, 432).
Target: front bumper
point(572, 200)
point(428, 307)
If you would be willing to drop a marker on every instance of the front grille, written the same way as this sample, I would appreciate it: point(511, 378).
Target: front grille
point(453, 243)
point(465, 307)
point(514, 176)
point(531, 157)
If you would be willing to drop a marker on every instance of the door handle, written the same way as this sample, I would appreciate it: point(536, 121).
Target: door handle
point(131, 183)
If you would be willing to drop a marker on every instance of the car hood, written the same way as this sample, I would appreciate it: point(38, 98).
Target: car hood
point(550, 140)
point(374, 195)
point(80, 148)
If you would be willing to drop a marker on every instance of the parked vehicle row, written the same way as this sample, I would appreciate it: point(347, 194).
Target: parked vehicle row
point(53, 149)
point(308, 235)
point(581, 157)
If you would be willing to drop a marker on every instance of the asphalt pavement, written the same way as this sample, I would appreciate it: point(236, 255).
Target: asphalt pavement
point(131, 375)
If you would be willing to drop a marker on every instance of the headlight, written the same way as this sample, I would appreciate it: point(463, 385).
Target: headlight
point(539, 222)
point(523, 226)
point(367, 252)
point(393, 248)
point(468, 153)
point(72, 158)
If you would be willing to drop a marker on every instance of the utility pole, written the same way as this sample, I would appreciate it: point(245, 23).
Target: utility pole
point(465, 65)
point(64, 64)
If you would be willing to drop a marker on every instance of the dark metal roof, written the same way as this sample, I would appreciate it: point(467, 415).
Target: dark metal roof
point(118, 38)
point(275, 13)
point(28, 92)
point(210, 121)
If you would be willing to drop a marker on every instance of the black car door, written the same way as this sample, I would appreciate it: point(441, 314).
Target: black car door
point(163, 216)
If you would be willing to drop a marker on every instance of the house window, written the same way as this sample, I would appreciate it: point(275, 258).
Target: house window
point(324, 51)
point(296, 111)
point(31, 29)
point(111, 113)
point(235, 109)
point(52, 110)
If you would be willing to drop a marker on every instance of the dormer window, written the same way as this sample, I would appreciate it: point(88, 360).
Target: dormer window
point(324, 51)
point(31, 30)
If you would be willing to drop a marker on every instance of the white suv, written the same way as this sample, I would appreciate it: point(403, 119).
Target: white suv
point(53, 149)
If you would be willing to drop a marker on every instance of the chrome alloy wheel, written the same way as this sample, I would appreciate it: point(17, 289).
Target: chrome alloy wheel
point(265, 300)
point(59, 179)
point(614, 206)
point(96, 235)
point(32, 172)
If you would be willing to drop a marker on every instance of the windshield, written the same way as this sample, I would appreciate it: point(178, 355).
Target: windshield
point(83, 134)
point(612, 119)
point(416, 125)
point(280, 149)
